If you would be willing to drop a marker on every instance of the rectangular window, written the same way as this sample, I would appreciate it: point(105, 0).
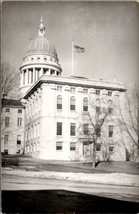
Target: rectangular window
point(85, 91)
point(72, 146)
point(18, 139)
point(110, 110)
point(72, 107)
point(7, 120)
point(7, 109)
point(111, 148)
point(85, 128)
point(59, 128)
point(19, 110)
point(97, 92)
point(72, 89)
point(98, 132)
point(98, 110)
point(52, 72)
point(6, 139)
point(109, 93)
point(72, 129)
point(98, 147)
point(6, 151)
point(59, 145)
point(59, 88)
point(110, 131)
point(19, 121)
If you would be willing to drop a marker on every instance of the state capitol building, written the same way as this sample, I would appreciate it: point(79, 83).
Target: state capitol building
point(60, 111)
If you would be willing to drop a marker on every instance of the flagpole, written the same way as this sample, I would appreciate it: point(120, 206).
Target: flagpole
point(72, 58)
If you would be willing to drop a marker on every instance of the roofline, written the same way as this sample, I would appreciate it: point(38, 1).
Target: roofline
point(58, 82)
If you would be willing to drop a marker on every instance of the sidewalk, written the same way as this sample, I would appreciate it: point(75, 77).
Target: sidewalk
point(107, 178)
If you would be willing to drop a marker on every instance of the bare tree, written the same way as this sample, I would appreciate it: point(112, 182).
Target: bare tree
point(97, 117)
point(9, 80)
point(128, 119)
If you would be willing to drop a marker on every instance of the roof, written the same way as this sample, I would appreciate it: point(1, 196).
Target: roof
point(77, 82)
point(11, 103)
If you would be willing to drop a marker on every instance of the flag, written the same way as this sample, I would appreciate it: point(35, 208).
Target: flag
point(79, 49)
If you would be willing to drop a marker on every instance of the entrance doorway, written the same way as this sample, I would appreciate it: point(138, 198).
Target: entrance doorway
point(86, 149)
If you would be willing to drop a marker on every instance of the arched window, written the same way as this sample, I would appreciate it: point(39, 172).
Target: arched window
point(85, 104)
point(59, 102)
point(72, 103)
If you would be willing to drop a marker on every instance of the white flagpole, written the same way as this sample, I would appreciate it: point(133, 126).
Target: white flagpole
point(72, 58)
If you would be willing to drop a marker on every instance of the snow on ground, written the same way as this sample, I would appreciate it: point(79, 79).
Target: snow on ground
point(111, 178)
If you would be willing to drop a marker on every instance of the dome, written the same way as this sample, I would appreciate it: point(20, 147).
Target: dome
point(41, 45)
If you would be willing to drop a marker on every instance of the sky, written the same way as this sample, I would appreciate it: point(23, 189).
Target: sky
point(109, 32)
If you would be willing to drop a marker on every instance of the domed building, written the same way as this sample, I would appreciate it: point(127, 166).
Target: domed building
point(58, 109)
point(40, 58)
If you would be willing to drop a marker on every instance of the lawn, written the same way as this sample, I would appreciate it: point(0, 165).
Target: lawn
point(28, 163)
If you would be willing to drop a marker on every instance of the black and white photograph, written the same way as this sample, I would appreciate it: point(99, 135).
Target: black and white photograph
point(70, 107)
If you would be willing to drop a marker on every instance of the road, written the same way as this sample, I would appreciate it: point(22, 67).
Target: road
point(126, 193)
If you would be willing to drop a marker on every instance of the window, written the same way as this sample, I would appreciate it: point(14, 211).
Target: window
point(110, 131)
point(97, 92)
point(59, 128)
point(72, 129)
point(110, 110)
point(18, 139)
point(72, 146)
point(85, 91)
point(18, 151)
point(7, 109)
point(6, 139)
point(85, 128)
point(98, 132)
point(72, 89)
point(59, 88)
point(59, 102)
point(85, 104)
point(58, 145)
point(52, 71)
point(98, 109)
point(7, 120)
point(19, 121)
point(19, 110)
point(98, 147)
point(6, 151)
point(45, 70)
point(111, 148)
point(38, 58)
point(109, 93)
point(72, 103)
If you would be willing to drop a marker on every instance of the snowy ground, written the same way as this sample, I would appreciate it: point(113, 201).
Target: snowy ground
point(111, 178)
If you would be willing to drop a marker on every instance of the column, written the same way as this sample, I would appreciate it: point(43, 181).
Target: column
point(41, 72)
point(27, 76)
point(34, 75)
point(21, 78)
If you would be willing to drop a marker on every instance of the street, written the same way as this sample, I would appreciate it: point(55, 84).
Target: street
point(127, 193)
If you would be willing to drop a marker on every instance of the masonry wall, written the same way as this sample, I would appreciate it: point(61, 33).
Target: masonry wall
point(13, 130)
point(47, 115)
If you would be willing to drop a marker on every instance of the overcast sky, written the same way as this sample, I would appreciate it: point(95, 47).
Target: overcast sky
point(109, 32)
